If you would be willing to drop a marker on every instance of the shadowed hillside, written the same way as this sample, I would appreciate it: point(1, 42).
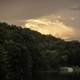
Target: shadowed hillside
point(23, 51)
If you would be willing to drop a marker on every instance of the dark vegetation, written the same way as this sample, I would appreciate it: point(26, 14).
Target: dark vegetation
point(23, 52)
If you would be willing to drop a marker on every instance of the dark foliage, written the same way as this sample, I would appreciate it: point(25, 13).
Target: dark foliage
point(23, 51)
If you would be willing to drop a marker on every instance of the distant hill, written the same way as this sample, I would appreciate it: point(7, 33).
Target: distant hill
point(23, 51)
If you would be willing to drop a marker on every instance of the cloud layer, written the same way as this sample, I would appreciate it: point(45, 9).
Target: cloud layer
point(67, 12)
point(50, 25)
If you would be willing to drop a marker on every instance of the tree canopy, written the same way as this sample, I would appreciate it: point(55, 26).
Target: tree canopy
point(24, 51)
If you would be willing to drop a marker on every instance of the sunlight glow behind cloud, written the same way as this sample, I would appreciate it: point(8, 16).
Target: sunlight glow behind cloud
point(50, 25)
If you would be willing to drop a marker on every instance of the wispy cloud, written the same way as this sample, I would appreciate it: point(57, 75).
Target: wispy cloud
point(76, 8)
point(50, 25)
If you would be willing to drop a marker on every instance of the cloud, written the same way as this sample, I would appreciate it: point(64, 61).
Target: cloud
point(50, 25)
point(76, 8)
point(26, 9)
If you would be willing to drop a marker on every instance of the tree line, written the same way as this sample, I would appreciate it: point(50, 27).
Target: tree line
point(24, 51)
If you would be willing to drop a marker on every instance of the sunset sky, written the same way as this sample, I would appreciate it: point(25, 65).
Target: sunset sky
point(61, 18)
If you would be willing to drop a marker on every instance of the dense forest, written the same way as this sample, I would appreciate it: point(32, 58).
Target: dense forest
point(24, 51)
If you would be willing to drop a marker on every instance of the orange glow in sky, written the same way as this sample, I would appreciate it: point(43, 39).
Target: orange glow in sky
point(50, 25)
